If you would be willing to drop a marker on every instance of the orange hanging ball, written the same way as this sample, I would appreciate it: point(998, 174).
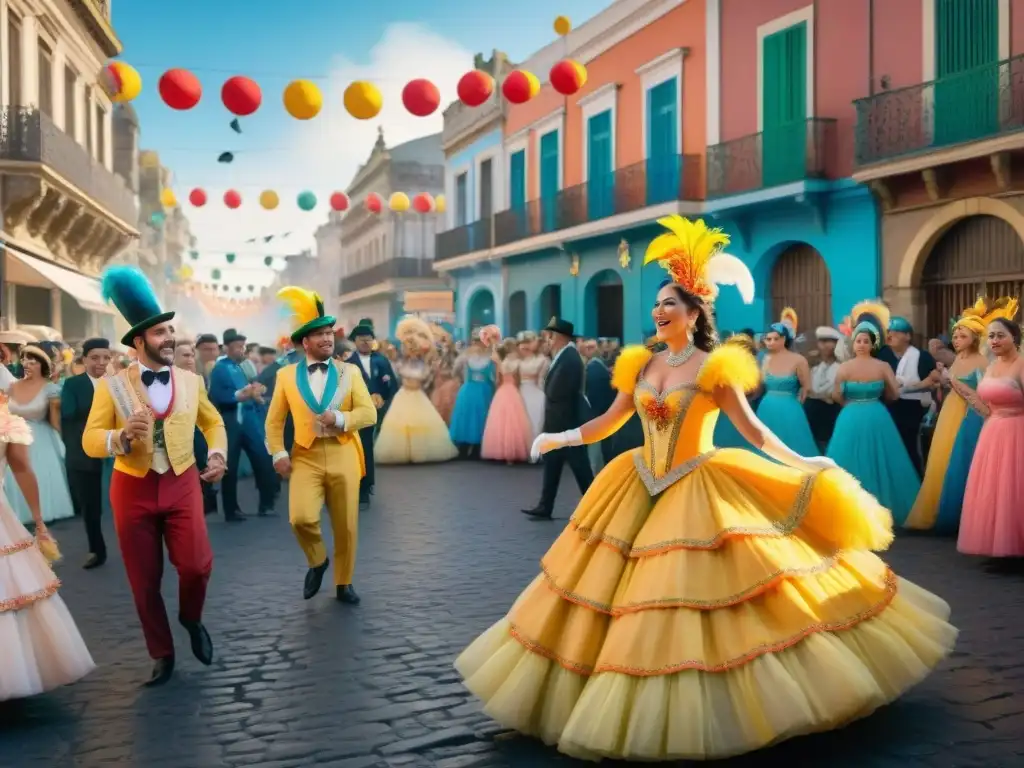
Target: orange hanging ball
point(520, 86)
point(421, 97)
point(475, 88)
point(568, 76)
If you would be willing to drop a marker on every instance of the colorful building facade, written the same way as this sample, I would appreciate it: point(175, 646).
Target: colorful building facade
point(938, 140)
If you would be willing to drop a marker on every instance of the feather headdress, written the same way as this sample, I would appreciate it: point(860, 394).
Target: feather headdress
point(1004, 308)
point(691, 252)
point(307, 311)
point(873, 316)
point(973, 318)
point(130, 291)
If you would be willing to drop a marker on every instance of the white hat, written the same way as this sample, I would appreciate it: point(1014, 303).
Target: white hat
point(827, 333)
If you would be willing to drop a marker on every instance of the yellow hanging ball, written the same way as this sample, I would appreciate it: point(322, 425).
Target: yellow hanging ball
point(269, 199)
point(362, 100)
point(167, 198)
point(399, 202)
point(186, 272)
point(440, 204)
point(563, 26)
point(121, 81)
point(303, 100)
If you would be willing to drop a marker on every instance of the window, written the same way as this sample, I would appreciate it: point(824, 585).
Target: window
point(90, 119)
point(517, 180)
point(101, 134)
point(486, 189)
point(14, 58)
point(461, 200)
point(70, 103)
point(45, 58)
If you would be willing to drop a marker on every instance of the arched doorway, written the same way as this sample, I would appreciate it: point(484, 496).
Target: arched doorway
point(977, 256)
point(517, 312)
point(480, 309)
point(550, 303)
point(801, 280)
point(602, 312)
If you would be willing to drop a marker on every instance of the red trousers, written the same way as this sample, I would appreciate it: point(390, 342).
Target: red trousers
point(149, 511)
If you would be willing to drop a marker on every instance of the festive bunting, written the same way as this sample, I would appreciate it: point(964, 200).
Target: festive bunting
point(268, 260)
point(230, 258)
point(225, 157)
point(215, 274)
point(520, 86)
point(194, 255)
point(421, 97)
point(303, 100)
point(197, 197)
point(306, 201)
point(399, 202)
point(120, 81)
point(269, 199)
point(180, 89)
point(339, 201)
point(475, 88)
point(186, 272)
point(241, 96)
point(235, 126)
point(157, 219)
point(362, 100)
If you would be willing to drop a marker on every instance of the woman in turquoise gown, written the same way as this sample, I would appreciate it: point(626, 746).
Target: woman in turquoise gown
point(726, 435)
point(952, 500)
point(786, 381)
point(866, 442)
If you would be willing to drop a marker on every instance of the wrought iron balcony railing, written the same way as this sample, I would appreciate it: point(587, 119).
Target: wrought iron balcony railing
point(399, 267)
point(977, 104)
point(465, 239)
point(805, 149)
point(30, 135)
point(632, 188)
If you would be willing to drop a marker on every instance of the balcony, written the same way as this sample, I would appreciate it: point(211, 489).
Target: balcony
point(783, 155)
point(465, 239)
point(982, 103)
point(397, 268)
point(54, 191)
point(625, 190)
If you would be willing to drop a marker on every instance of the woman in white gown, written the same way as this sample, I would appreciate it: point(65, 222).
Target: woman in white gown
point(533, 367)
point(40, 647)
point(37, 400)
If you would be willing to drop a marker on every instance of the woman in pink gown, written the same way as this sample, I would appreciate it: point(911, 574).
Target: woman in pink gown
point(508, 433)
point(992, 523)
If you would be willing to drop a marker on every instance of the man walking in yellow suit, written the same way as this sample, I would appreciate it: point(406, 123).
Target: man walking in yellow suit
point(329, 404)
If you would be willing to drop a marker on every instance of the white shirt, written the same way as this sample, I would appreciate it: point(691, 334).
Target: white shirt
point(823, 378)
point(364, 360)
point(159, 393)
point(95, 381)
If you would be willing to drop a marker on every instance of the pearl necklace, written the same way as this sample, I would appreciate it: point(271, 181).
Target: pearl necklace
point(680, 358)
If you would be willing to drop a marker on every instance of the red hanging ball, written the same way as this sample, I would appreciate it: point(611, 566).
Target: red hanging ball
point(475, 88)
point(423, 203)
point(232, 199)
point(374, 203)
point(241, 95)
point(339, 201)
point(197, 197)
point(421, 97)
point(180, 89)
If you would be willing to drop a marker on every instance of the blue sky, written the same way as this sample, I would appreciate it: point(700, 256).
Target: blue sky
point(331, 42)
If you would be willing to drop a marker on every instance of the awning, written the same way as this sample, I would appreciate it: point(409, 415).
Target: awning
point(29, 270)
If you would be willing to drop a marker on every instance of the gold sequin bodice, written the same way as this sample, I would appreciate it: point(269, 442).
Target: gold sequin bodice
point(678, 427)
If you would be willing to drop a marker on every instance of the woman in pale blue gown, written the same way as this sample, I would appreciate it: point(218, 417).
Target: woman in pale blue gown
point(37, 400)
point(865, 441)
point(786, 381)
point(476, 369)
point(947, 522)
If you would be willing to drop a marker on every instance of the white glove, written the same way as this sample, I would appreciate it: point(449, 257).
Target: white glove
point(552, 441)
point(776, 449)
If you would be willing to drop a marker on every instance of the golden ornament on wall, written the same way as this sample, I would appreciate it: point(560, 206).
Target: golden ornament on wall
point(574, 265)
point(624, 257)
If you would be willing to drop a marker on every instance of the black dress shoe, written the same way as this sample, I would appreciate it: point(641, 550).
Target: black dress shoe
point(236, 518)
point(314, 578)
point(162, 671)
point(364, 502)
point(268, 512)
point(538, 512)
point(202, 645)
point(346, 594)
point(94, 561)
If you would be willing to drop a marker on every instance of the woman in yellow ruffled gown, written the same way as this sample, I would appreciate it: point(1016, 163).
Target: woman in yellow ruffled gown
point(704, 603)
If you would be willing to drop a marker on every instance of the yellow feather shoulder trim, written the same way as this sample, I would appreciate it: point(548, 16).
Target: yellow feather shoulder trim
point(730, 365)
point(630, 363)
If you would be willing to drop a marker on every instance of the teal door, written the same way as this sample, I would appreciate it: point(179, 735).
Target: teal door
point(549, 167)
point(517, 190)
point(784, 106)
point(966, 92)
point(600, 167)
point(663, 160)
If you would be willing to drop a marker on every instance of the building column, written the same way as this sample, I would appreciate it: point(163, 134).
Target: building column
point(80, 128)
point(107, 137)
point(30, 61)
point(56, 313)
point(5, 75)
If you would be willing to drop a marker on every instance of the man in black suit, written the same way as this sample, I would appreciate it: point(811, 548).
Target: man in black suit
point(566, 409)
point(600, 396)
point(380, 380)
point(85, 475)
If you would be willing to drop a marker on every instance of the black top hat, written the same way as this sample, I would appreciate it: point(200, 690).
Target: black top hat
point(231, 335)
point(90, 344)
point(363, 328)
point(206, 338)
point(557, 325)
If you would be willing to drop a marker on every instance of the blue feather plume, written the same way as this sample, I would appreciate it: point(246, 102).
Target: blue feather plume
point(128, 289)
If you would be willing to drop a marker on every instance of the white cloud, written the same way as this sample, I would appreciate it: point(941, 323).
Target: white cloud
point(330, 148)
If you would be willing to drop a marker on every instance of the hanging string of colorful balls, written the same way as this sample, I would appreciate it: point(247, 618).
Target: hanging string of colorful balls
point(181, 90)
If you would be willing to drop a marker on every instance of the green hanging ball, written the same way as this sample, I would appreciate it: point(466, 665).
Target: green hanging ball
point(307, 201)
point(252, 288)
point(231, 258)
point(157, 218)
point(268, 260)
point(194, 255)
point(215, 274)
point(238, 289)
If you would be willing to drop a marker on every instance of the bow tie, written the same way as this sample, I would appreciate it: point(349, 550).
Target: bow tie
point(148, 377)
point(314, 367)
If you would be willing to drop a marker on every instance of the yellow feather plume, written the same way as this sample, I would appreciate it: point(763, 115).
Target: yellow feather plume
point(876, 308)
point(790, 318)
point(685, 251)
point(1005, 308)
point(305, 305)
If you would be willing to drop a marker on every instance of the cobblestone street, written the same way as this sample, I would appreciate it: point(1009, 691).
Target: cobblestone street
point(443, 553)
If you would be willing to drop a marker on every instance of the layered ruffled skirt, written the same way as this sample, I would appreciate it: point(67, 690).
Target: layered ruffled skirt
point(738, 608)
point(413, 432)
point(40, 647)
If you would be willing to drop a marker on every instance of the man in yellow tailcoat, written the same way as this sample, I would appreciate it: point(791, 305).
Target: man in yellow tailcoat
point(329, 404)
point(145, 416)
